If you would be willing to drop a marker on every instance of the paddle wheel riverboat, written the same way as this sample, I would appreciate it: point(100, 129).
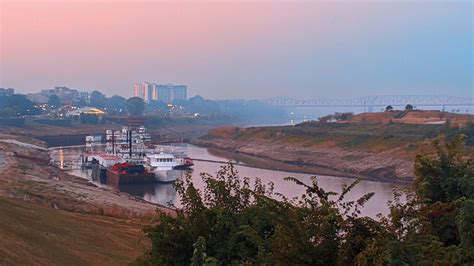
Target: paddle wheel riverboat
point(130, 158)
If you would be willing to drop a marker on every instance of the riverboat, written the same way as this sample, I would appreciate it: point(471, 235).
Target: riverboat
point(128, 150)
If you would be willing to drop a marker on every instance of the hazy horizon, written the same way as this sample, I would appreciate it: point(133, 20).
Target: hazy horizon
point(245, 50)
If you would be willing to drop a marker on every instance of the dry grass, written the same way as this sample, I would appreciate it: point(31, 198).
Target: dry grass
point(413, 117)
point(37, 235)
point(51, 222)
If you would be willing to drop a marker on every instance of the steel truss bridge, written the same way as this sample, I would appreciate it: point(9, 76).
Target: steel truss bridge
point(375, 101)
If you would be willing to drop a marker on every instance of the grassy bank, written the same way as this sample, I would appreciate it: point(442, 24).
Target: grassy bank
point(377, 151)
point(34, 234)
point(406, 138)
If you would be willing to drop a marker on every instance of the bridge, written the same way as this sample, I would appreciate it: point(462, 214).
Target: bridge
point(375, 101)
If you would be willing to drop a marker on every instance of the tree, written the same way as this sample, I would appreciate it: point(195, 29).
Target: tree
point(17, 105)
point(97, 99)
point(409, 107)
point(116, 104)
point(156, 107)
point(435, 225)
point(343, 116)
point(81, 102)
point(389, 108)
point(199, 254)
point(54, 102)
point(231, 221)
point(7, 112)
point(326, 118)
point(135, 106)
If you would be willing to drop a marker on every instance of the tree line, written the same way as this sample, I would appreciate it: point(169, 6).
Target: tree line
point(17, 105)
point(198, 107)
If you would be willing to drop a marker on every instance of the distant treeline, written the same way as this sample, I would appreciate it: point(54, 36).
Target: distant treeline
point(17, 105)
point(197, 107)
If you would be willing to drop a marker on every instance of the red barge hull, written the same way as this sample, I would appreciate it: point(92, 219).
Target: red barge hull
point(125, 173)
point(119, 178)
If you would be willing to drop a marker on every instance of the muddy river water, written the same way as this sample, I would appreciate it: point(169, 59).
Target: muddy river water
point(163, 193)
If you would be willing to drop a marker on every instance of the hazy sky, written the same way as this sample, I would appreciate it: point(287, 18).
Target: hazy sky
point(240, 49)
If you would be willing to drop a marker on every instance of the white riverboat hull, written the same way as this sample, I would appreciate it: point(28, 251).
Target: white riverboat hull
point(166, 176)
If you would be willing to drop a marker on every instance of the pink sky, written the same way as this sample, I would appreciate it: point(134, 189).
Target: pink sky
point(219, 49)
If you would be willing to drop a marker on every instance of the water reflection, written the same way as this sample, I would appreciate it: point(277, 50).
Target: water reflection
point(163, 193)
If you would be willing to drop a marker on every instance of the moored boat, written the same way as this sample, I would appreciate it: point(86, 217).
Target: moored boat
point(166, 162)
point(130, 158)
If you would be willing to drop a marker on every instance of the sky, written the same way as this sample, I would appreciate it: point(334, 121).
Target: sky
point(241, 49)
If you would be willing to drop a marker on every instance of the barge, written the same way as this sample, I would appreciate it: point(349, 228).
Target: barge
point(125, 173)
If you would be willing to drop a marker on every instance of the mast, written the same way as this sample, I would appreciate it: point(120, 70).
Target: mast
point(130, 142)
point(113, 142)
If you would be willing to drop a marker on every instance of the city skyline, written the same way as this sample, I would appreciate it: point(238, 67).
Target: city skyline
point(242, 50)
point(166, 93)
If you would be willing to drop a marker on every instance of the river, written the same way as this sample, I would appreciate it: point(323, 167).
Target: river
point(162, 193)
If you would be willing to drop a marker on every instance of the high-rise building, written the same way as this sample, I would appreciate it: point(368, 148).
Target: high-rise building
point(158, 92)
point(154, 91)
point(136, 90)
point(164, 93)
point(146, 91)
point(180, 92)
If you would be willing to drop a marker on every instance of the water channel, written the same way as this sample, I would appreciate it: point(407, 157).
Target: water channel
point(162, 193)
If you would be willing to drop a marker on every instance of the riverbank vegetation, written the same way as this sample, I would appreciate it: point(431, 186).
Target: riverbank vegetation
point(231, 221)
point(371, 137)
point(375, 151)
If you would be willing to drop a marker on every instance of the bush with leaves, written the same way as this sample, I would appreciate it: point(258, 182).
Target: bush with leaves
point(230, 221)
point(436, 224)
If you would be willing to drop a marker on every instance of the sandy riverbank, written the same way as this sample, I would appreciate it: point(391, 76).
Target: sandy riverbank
point(333, 161)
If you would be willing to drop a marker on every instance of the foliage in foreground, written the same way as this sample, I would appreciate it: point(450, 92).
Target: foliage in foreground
point(231, 221)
